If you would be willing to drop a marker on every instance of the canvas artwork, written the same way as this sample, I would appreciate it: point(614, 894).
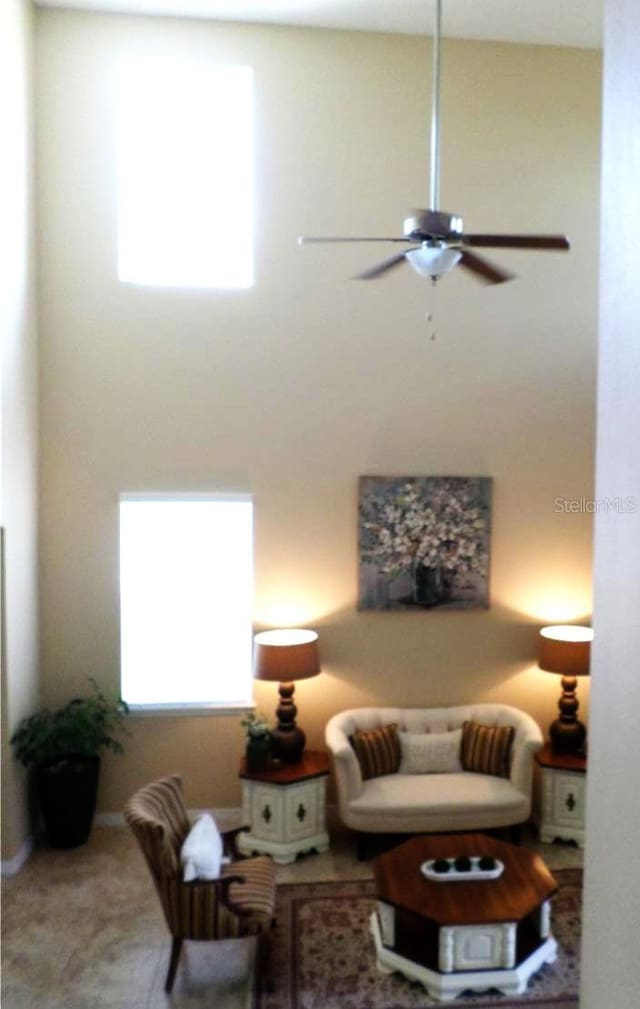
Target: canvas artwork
point(424, 542)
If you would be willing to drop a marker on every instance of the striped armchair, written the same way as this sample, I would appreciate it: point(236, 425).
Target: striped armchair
point(239, 903)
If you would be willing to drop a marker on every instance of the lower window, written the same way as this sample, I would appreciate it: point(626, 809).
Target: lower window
point(186, 600)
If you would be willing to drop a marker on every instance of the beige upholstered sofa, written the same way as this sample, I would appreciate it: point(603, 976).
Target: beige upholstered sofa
point(433, 802)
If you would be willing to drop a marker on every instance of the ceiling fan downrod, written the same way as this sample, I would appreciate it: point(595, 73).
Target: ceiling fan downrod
point(435, 240)
point(434, 193)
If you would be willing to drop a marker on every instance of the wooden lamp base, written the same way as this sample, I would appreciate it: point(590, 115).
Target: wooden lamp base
point(568, 733)
point(287, 739)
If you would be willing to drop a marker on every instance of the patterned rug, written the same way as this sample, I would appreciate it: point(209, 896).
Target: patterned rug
point(323, 954)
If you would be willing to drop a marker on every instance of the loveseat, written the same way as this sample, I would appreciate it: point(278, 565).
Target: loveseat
point(447, 796)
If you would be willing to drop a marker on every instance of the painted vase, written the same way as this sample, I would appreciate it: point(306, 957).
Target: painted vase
point(430, 585)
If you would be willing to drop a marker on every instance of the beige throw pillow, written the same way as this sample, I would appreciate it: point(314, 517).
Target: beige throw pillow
point(430, 752)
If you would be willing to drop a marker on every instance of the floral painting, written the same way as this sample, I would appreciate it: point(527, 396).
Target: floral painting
point(424, 542)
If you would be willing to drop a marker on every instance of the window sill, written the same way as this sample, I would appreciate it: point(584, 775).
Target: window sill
point(188, 710)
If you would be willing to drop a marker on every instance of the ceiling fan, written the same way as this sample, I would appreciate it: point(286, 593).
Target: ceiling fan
point(435, 238)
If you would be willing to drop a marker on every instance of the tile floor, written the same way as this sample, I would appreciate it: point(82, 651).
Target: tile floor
point(82, 929)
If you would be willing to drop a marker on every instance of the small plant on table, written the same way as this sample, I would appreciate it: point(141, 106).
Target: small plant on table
point(258, 747)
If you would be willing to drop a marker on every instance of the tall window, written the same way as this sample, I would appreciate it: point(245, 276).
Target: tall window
point(185, 185)
point(186, 600)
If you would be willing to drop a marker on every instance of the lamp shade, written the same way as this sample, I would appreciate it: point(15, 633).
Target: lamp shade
point(565, 649)
point(286, 655)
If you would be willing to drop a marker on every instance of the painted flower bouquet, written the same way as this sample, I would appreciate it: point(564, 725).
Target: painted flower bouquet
point(405, 528)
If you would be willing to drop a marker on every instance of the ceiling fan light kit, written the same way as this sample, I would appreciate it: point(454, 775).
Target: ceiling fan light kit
point(432, 260)
point(438, 239)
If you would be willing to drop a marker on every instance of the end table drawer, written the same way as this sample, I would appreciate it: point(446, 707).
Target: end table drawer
point(568, 799)
point(266, 811)
point(302, 808)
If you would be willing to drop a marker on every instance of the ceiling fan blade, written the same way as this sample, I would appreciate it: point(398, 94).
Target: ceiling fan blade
point(383, 267)
point(311, 239)
point(559, 242)
point(483, 269)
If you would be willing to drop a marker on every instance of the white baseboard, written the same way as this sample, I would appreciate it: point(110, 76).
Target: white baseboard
point(109, 820)
point(12, 866)
point(225, 816)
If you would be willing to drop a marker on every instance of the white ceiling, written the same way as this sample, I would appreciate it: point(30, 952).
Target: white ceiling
point(545, 22)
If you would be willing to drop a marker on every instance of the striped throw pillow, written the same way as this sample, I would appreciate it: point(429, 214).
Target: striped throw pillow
point(486, 749)
point(377, 750)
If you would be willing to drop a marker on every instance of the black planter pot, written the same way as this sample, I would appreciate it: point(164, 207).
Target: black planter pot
point(67, 789)
point(258, 753)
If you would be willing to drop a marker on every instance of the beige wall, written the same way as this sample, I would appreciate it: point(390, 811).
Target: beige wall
point(19, 638)
point(294, 389)
point(611, 971)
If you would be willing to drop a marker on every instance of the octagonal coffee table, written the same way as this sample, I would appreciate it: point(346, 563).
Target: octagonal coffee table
point(454, 933)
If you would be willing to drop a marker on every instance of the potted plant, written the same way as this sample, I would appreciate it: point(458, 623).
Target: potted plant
point(63, 748)
point(258, 741)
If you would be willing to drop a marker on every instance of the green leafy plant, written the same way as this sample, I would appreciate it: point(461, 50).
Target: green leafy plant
point(255, 725)
point(81, 728)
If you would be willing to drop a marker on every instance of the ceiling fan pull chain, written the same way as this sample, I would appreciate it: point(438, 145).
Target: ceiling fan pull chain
point(432, 311)
point(434, 200)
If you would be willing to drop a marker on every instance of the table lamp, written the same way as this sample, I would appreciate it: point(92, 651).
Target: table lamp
point(284, 656)
point(566, 649)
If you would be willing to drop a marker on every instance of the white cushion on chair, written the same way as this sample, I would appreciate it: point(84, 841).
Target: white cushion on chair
point(201, 852)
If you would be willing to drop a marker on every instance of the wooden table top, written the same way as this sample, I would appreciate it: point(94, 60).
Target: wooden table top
point(548, 757)
point(313, 764)
point(523, 886)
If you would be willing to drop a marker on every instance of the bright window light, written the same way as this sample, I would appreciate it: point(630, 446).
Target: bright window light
point(186, 600)
point(185, 174)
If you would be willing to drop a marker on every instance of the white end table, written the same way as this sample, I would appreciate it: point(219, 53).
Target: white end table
point(285, 808)
point(561, 813)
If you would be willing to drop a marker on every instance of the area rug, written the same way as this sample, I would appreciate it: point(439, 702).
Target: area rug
point(323, 954)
